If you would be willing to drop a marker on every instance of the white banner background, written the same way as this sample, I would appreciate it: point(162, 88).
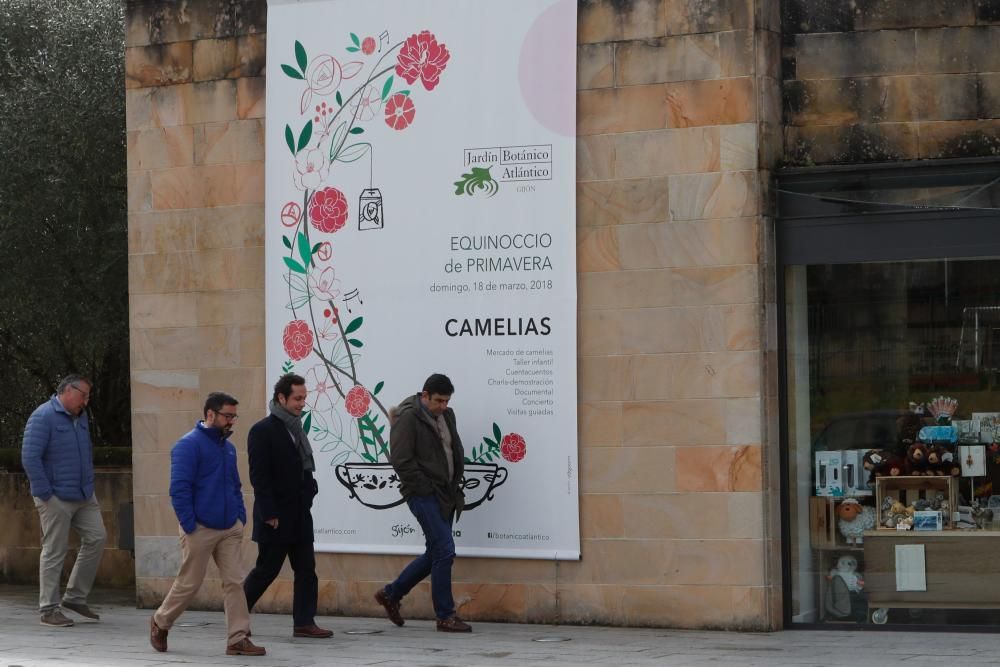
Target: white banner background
point(377, 261)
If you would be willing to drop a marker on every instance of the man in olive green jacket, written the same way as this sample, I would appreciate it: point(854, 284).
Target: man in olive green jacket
point(427, 455)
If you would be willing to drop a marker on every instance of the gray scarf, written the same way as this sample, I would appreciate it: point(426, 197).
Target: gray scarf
point(294, 426)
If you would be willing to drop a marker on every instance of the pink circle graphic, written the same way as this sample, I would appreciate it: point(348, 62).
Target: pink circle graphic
point(547, 68)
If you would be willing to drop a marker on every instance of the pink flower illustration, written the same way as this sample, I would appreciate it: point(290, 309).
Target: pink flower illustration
point(422, 57)
point(357, 401)
point(513, 447)
point(399, 111)
point(325, 251)
point(367, 104)
point(324, 285)
point(311, 169)
point(322, 394)
point(328, 210)
point(297, 339)
point(290, 214)
point(324, 74)
point(368, 46)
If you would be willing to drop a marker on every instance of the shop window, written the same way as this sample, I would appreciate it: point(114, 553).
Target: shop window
point(893, 364)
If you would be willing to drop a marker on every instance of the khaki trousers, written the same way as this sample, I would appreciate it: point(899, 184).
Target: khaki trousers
point(196, 550)
point(57, 517)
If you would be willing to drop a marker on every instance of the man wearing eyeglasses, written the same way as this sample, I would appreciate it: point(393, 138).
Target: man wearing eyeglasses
point(58, 458)
point(207, 496)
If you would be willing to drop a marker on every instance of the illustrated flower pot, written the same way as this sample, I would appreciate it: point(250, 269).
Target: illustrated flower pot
point(374, 485)
point(479, 482)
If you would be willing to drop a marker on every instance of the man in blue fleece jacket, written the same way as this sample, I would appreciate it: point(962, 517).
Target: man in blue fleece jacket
point(205, 491)
point(58, 458)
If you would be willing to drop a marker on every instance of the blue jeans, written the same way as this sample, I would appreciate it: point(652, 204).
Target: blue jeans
point(436, 560)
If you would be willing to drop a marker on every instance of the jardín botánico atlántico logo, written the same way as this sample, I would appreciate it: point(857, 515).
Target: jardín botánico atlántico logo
point(512, 163)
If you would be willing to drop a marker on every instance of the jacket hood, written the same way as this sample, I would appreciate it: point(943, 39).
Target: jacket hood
point(407, 405)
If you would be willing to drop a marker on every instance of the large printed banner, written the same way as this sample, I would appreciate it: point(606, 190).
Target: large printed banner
point(420, 213)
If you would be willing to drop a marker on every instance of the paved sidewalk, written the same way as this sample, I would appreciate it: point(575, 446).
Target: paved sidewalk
point(121, 638)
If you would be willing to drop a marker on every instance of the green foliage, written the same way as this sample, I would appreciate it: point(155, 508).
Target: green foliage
point(63, 222)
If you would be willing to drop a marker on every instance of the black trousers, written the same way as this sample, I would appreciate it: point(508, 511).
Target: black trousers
point(270, 558)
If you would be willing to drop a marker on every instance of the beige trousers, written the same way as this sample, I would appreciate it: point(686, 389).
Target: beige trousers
point(196, 550)
point(57, 517)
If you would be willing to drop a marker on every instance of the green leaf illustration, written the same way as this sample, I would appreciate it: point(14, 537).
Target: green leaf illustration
point(340, 99)
point(300, 56)
point(304, 250)
point(405, 92)
point(294, 266)
point(338, 137)
point(478, 180)
point(290, 139)
point(353, 152)
point(368, 457)
point(298, 302)
point(354, 325)
point(386, 88)
point(354, 38)
point(292, 72)
point(288, 244)
point(315, 247)
point(306, 135)
point(496, 432)
point(357, 130)
point(307, 422)
point(352, 49)
point(355, 342)
point(378, 388)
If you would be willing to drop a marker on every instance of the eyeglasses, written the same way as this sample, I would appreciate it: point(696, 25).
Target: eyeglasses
point(230, 416)
point(85, 394)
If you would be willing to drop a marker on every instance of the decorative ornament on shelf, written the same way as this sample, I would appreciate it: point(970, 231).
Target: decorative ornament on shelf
point(942, 408)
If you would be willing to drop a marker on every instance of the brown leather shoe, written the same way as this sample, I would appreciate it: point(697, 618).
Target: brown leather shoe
point(157, 636)
point(312, 631)
point(82, 609)
point(245, 647)
point(391, 607)
point(453, 624)
point(56, 619)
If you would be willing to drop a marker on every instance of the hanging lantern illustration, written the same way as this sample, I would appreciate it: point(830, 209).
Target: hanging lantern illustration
point(370, 209)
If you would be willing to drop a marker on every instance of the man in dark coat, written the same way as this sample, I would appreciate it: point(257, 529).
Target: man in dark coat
point(281, 472)
point(428, 458)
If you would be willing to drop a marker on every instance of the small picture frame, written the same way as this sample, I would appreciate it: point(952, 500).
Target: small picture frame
point(927, 520)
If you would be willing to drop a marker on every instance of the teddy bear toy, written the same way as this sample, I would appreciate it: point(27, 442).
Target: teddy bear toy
point(854, 520)
point(882, 463)
point(941, 462)
point(907, 428)
point(916, 459)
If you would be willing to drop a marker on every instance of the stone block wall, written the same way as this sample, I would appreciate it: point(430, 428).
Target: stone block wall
point(678, 120)
point(885, 80)
point(20, 541)
point(195, 122)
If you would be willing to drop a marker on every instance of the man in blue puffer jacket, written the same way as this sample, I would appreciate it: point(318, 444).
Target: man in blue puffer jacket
point(205, 491)
point(58, 458)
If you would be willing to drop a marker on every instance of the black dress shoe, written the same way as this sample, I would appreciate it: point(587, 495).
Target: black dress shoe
point(312, 631)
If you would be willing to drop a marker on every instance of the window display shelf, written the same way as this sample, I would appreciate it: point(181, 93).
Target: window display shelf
point(960, 568)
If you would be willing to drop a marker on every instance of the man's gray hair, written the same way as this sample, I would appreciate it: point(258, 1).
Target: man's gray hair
point(72, 380)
